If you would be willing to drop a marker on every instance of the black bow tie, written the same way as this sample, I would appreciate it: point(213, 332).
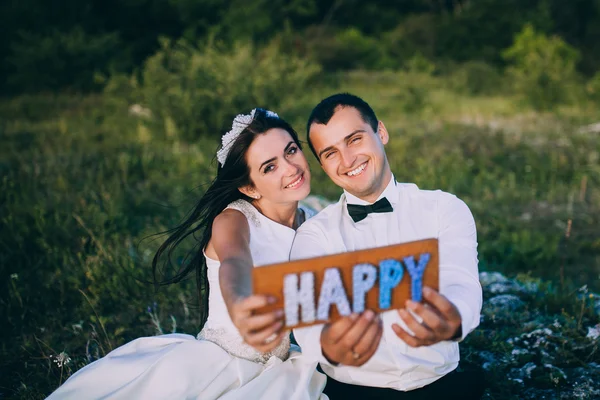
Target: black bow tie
point(358, 213)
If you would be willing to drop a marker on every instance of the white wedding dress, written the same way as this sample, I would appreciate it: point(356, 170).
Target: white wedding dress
point(215, 365)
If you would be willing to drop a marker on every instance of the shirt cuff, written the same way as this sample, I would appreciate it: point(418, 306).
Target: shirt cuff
point(309, 339)
point(465, 317)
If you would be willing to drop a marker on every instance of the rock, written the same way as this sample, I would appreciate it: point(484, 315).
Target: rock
point(556, 373)
point(535, 338)
point(585, 382)
point(487, 278)
point(489, 360)
point(496, 283)
point(502, 308)
point(541, 344)
point(506, 302)
point(523, 373)
point(520, 352)
point(586, 390)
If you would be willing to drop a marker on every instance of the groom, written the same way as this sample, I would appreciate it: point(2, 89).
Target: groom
point(410, 353)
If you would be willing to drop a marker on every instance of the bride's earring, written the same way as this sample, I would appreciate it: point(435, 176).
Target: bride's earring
point(250, 192)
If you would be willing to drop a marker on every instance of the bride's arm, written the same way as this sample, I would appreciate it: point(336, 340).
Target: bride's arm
point(230, 241)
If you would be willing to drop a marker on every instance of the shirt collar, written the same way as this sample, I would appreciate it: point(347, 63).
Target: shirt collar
point(391, 192)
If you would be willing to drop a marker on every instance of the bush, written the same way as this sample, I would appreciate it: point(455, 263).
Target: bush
point(414, 37)
point(199, 88)
point(420, 65)
point(476, 78)
point(543, 68)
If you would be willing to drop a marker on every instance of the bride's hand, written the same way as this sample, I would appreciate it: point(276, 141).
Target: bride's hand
point(261, 331)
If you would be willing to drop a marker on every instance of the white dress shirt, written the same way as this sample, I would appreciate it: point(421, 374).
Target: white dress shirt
point(418, 214)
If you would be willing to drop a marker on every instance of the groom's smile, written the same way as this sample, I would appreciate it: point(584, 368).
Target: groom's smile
point(358, 171)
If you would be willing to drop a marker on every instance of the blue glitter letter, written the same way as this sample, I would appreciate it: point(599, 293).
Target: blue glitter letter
point(416, 274)
point(390, 275)
point(363, 279)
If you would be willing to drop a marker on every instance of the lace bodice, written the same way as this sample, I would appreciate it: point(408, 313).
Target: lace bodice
point(270, 243)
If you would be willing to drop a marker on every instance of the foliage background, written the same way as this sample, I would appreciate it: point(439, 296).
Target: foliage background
point(111, 113)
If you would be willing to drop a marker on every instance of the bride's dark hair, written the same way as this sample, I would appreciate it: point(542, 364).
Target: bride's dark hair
point(223, 190)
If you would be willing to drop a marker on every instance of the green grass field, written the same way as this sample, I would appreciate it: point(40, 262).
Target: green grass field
point(82, 182)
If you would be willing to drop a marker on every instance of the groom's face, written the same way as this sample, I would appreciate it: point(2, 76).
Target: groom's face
point(351, 154)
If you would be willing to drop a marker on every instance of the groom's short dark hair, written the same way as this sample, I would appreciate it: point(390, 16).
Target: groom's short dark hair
point(323, 112)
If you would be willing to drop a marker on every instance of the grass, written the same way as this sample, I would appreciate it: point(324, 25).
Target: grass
point(83, 184)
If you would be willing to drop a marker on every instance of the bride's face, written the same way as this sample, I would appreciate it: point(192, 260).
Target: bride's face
point(278, 167)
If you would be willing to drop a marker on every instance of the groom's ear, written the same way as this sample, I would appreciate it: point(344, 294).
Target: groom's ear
point(382, 133)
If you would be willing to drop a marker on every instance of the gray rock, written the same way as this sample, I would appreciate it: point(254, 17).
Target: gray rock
point(585, 382)
point(496, 283)
point(490, 360)
point(506, 302)
point(487, 278)
point(523, 373)
point(535, 339)
point(502, 308)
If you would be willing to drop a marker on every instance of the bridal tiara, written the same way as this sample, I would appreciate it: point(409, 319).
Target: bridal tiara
point(240, 122)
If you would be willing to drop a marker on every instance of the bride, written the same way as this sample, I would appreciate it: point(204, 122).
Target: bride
point(246, 218)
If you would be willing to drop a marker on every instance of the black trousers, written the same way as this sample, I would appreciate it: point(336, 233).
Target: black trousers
point(458, 384)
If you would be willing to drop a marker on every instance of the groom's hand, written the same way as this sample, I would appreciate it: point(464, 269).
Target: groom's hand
point(440, 320)
point(352, 340)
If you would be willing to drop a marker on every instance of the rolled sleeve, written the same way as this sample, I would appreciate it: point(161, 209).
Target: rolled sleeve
point(459, 272)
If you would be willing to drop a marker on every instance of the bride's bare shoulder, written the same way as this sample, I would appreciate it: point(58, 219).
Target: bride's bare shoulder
point(230, 229)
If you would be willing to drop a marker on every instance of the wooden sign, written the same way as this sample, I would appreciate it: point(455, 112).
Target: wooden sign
point(317, 290)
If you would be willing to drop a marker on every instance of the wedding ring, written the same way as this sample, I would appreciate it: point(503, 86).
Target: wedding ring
point(271, 338)
point(355, 355)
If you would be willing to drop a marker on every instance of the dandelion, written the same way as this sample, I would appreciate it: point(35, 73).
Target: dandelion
point(62, 359)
